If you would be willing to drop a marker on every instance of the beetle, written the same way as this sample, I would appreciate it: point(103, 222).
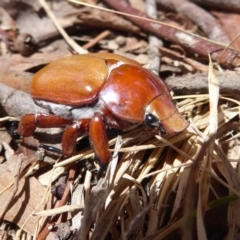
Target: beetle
point(85, 93)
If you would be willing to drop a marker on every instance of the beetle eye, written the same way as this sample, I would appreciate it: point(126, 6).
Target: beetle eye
point(151, 120)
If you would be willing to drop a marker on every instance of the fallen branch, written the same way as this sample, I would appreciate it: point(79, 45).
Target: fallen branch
point(229, 81)
point(202, 18)
point(194, 43)
point(16, 102)
point(226, 5)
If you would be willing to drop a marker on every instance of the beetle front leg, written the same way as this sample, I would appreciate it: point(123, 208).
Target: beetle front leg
point(30, 122)
point(98, 138)
point(71, 134)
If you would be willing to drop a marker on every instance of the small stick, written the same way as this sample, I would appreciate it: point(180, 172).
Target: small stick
point(95, 40)
point(154, 42)
point(226, 5)
point(200, 17)
point(193, 42)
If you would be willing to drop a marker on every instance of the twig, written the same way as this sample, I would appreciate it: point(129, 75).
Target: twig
point(16, 102)
point(196, 44)
point(202, 18)
point(178, 56)
point(154, 42)
point(97, 39)
point(226, 5)
point(229, 81)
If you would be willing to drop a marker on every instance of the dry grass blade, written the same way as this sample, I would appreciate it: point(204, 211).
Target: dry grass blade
point(107, 218)
point(204, 184)
point(149, 183)
point(67, 208)
point(69, 40)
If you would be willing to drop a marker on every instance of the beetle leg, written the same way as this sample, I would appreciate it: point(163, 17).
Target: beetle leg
point(71, 134)
point(98, 138)
point(30, 122)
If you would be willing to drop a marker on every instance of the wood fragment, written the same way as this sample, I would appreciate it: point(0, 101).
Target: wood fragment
point(17, 103)
point(194, 43)
point(154, 42)
point(95, 40)
point(229, 82)
point(200, 17)
point(229, 5)
point(106, 20)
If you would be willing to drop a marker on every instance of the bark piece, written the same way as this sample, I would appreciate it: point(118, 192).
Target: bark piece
point(229, 81)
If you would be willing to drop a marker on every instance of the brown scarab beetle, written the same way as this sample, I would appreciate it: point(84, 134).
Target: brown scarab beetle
point(87, 93)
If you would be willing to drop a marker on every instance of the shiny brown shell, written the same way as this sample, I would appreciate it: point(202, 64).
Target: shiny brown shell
point(75, 80)
point(130, 89)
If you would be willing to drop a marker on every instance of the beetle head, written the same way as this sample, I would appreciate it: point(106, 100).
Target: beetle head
point(162, 114)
